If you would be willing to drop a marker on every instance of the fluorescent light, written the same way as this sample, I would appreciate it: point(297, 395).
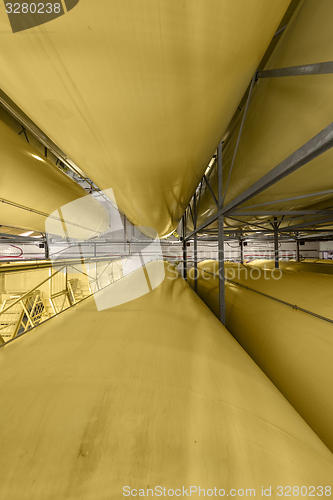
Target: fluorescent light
point(26, 234)
point(211, 163)
point(38, 157)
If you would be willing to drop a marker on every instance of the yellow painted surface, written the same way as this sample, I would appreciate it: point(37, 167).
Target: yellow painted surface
point(35, 184)
point(293, 348)
point(153, 392)
point(139, 93)
point(307, 266)
point(284, 114)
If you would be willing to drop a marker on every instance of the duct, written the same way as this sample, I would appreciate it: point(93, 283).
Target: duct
point(283, 115)
point(293, 347)
point(138, 94)
point(164, 396)
point(32, 188)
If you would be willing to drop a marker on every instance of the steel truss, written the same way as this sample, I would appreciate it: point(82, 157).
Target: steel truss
point(314, 220)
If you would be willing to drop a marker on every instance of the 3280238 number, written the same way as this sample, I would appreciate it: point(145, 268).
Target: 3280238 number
point(311, 491)
point(33, 8)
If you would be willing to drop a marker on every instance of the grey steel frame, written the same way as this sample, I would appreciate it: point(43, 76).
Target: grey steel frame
point(316, 146)
point(324, 68)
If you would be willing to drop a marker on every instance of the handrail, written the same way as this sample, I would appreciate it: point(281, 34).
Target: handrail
point(74, 296)
point(30, 291)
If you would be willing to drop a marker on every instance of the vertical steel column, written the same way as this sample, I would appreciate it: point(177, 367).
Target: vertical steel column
point(184, 247)
point(220, 235)
point(276, 244)
point(241, 244)
point(46, 247)
point(297, 249)
point(195, 244)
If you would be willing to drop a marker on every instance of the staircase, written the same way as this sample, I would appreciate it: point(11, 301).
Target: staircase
point(17, 316)
point(21, 311)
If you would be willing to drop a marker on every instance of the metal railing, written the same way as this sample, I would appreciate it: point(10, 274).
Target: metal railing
point(21, 312)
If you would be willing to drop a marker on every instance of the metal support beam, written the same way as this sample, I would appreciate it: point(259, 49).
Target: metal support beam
point(199, 199)
point(254, 224)
point(195, 244)
point(184, 247)
point(241, 244)
point(211, 190)
point(316, 146)
point(192, 215)
point(46, 247)
point(21, 239)
point(239, 136)
point(324, 68)
point(297, 249)
point(292, 198)
point(221, 236)
point(309, 225)
point(281, 30)
point(278, 213)
point(276, 243)
point(25, 133)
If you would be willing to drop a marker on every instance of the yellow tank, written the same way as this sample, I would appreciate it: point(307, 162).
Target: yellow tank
point(319, 261)
point(32, 188)
point(154, 392)
point(293, 348)
point(307, 266)
point(128, 90)
point(284, 113)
